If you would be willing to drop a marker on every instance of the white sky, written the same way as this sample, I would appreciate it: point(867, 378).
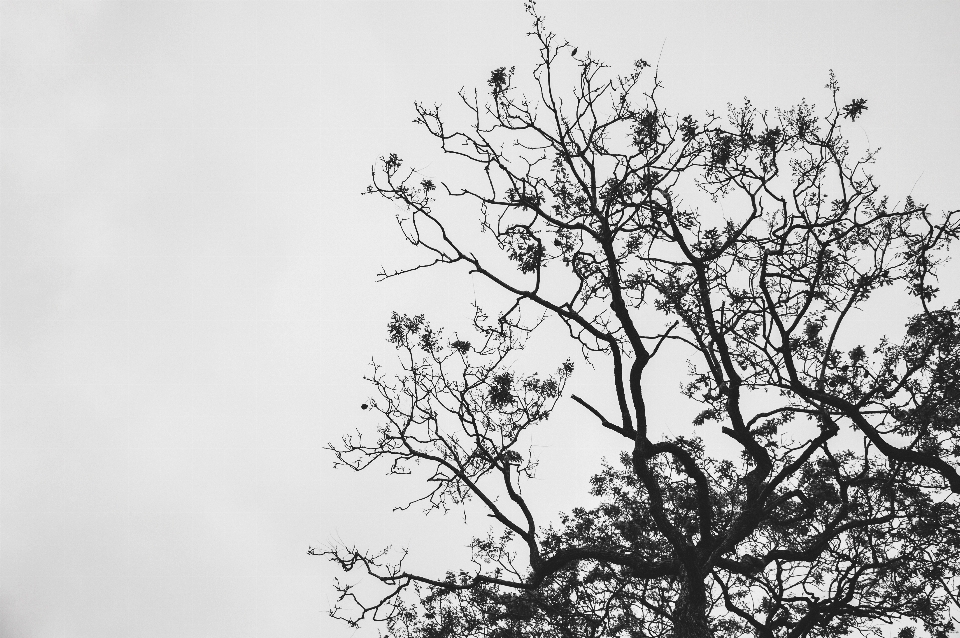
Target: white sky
point(187, 297)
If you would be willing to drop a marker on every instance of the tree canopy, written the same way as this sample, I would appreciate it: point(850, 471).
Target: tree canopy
point(749, 239)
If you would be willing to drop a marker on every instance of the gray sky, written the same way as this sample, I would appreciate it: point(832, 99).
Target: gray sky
point(187, 297)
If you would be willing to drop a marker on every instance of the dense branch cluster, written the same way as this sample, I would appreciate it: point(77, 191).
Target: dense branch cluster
point(842, 510)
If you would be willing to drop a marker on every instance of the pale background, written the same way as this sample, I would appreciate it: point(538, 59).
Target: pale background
point(187, 297)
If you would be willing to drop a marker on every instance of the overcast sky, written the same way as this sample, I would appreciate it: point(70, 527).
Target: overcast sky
point(187, 296)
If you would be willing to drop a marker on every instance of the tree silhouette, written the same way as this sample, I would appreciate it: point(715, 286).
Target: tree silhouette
point(841, 513)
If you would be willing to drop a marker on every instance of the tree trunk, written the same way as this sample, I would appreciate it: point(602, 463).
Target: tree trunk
point(690, 613)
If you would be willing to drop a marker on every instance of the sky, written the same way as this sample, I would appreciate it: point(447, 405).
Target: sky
point(188, 296)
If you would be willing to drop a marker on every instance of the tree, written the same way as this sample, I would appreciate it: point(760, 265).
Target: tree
point(599, 210)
